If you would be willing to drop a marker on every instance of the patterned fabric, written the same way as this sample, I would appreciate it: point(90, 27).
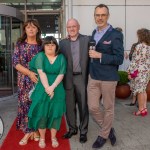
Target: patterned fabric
point(23, 54)
point(141, 62)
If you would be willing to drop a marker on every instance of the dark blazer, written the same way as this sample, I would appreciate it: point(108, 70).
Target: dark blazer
point(111, 47)
point(65, 48)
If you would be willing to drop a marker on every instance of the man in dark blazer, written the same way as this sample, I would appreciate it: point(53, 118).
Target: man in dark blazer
point(103, 74)
point(75, 49)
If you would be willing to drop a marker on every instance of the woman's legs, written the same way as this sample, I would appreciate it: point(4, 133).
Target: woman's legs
point(53, 138)
point(142, 98)
point(36, 136)
point(145, 100)
point(42, 138)
point(42, 133)
point(133, 99)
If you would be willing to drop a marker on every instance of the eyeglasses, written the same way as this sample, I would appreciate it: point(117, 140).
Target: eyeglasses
point(101, 15)
point(69, 27)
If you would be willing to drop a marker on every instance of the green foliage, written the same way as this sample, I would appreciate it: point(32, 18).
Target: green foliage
point(123, 77)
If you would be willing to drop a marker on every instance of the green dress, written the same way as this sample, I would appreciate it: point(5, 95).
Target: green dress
point(45, 112)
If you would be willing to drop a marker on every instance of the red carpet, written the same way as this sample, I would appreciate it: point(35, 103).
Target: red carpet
point(14, 136)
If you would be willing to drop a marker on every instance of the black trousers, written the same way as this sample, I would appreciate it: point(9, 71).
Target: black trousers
point(77, 95)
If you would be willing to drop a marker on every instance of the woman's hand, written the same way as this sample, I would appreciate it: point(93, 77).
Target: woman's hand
point(51, 96)
point(33, 77)
point(129, 77)
point(49, 90)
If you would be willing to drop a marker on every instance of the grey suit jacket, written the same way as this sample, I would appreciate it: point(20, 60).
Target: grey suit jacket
point(65, 48)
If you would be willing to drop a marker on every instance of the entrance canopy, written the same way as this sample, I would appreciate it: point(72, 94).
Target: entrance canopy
point(33, 4)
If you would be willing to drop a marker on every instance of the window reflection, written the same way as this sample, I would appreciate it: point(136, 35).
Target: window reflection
point(9, 32)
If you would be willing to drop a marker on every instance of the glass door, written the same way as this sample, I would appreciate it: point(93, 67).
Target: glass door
point(5, 56)
point(9, 32)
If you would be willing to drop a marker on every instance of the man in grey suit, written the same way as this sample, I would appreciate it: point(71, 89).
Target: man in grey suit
point(75, 49)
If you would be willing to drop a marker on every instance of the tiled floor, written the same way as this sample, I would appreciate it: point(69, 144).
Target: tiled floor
point(133, 133)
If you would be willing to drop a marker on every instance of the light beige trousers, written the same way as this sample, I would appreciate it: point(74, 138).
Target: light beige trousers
point(102, 115)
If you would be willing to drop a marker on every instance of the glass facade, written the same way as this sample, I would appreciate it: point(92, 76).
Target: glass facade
point(10, 30)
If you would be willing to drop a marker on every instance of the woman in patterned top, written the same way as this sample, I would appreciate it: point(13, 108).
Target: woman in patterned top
point(27, 46)
point(141, 63)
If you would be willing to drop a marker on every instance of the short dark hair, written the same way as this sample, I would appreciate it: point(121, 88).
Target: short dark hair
point(51, 40)
point(101, 6)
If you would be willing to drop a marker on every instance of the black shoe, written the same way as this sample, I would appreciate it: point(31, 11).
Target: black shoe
point(100, 141)
point(69, 134)
point(83, 138)
point(131, 104)
point(112, 136)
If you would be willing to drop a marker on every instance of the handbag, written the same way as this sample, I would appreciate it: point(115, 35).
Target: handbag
point(134, 74)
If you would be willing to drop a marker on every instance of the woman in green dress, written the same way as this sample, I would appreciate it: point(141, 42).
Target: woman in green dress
point(48, 98)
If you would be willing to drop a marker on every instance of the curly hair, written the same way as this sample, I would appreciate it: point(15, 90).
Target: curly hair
point(24, 35)
point(144, 36)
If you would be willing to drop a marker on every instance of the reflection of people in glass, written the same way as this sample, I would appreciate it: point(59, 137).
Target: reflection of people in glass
point(48, 98)
point(27, 46)
point(141, 62)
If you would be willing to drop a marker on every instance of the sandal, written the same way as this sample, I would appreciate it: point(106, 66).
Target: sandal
point(140, 113)
point(55, 143)
point(42, 143)
point(146, 112)
point(25, 139)
point(36, 136)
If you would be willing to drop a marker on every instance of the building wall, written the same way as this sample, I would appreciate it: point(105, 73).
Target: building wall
point(130, 15)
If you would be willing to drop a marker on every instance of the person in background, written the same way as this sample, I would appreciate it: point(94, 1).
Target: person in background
point(134, 98)
point(125, 61)
point(75, 49)
point(48, 98)
point(27, 46)
point(140, 64)
point(103, 76)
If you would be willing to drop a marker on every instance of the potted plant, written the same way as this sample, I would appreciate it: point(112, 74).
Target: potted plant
point(123, 89)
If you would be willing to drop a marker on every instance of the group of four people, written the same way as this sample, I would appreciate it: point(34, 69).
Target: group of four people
point(67, 75)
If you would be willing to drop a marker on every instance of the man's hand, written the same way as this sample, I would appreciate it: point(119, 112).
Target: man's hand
point(94, 54)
